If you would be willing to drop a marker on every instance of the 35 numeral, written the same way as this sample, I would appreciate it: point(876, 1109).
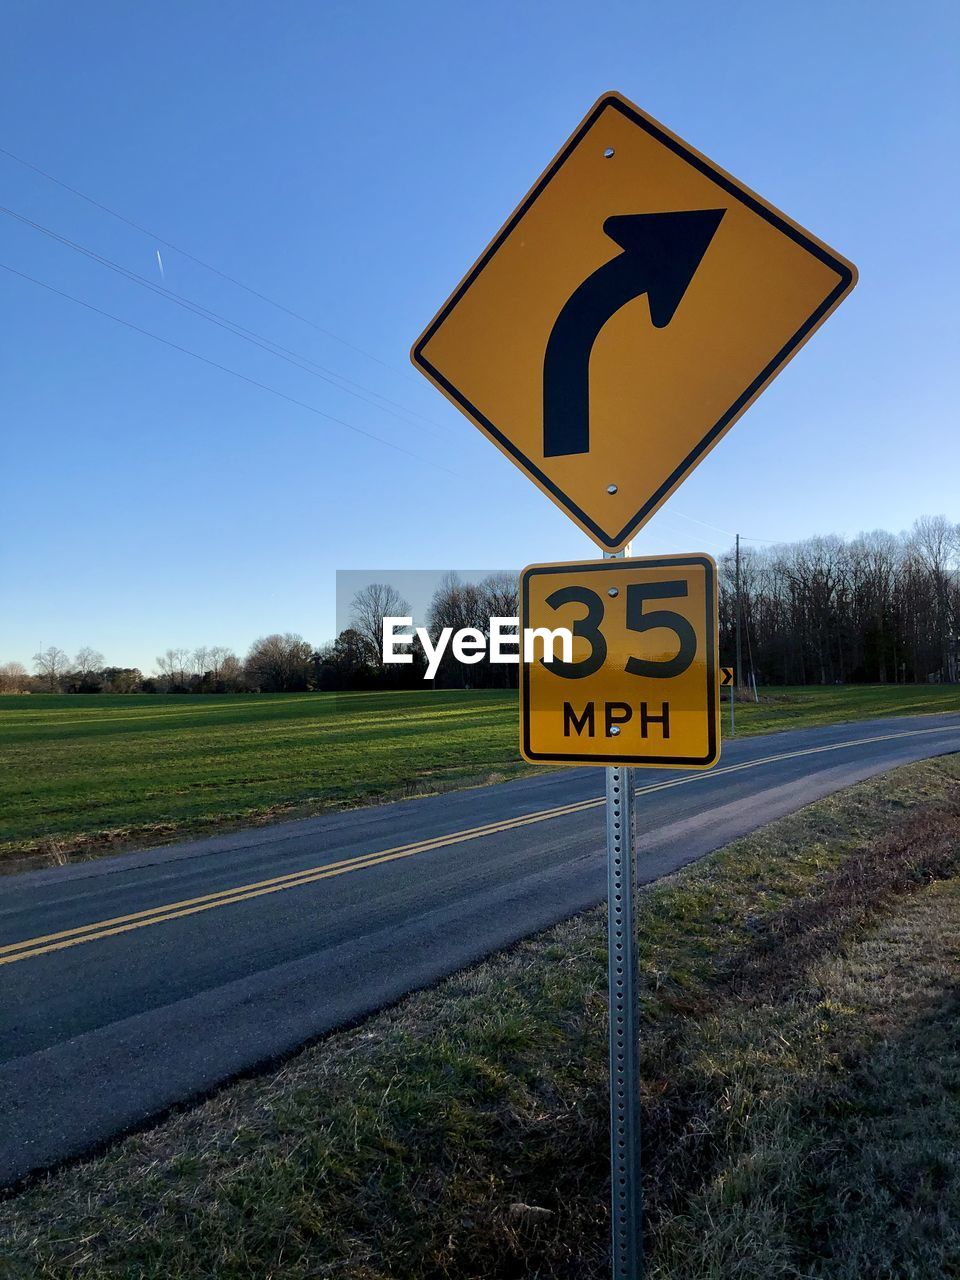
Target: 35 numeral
point(638, 619)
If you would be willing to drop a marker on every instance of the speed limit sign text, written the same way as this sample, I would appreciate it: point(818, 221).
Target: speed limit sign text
point(641, 683)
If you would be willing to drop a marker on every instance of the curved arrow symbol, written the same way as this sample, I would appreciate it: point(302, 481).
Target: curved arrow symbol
point(661, 253)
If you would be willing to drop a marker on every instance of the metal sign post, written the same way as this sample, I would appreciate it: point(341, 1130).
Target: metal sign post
point(626, 1200)
point(626, 1187)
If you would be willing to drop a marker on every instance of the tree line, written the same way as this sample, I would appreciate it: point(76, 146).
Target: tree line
point(273, 663)
point(879, 608)
point(288, 663)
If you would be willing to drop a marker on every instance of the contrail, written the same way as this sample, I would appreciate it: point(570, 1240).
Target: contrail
point(163, 274)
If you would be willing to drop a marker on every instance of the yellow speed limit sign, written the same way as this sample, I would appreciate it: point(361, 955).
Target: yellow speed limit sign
point(620, 662)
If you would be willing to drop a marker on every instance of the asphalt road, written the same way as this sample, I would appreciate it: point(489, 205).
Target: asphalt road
point(133, 983)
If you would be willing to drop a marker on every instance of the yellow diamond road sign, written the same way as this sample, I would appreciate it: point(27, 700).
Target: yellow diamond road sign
point(631, 308)
point(640, 684)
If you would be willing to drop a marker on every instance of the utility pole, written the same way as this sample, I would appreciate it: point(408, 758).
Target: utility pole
point(736, 593)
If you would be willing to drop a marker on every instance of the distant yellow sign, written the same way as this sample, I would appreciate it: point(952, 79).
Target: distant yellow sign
point(640, 684)
point(726, 677)
point(633, 306)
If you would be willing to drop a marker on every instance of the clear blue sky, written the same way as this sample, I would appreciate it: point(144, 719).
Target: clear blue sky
point(350, 160)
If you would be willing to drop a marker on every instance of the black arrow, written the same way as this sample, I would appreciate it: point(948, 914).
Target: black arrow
point(661, 253)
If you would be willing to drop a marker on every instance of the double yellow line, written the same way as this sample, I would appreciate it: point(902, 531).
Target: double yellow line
point(14, 951)
point(45, 943)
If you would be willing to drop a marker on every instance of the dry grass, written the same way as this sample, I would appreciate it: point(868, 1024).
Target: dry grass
point(833, 1113)
point(801, 1095)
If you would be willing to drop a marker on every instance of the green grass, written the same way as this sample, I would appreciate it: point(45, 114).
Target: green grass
point(800, 1094)
point(115, 770)
point(81, 775)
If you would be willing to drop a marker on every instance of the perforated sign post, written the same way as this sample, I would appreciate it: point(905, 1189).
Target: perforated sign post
point(630, 309)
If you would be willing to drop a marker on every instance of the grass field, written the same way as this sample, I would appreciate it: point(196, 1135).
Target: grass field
point(82, 775)
point(800, 1094)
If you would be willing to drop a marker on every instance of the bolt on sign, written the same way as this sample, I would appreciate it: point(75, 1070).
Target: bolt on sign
point(641, 683)
point(634, 304)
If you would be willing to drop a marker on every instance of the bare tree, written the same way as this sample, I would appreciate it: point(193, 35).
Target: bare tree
point(457, 605)
point(174, 668)
point(88, 662)
point(216, 657)
point(51, 666)
point(14, 678)
point(201, 656)
point(500, 593)
point(875, 559)
point(500, 598)
point(934, 539)
point(368, 608)
point(230, 674)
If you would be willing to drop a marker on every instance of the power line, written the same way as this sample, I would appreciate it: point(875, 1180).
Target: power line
point(295, 358)
point(193, 258)
point(730, 533)
point(263, 386)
